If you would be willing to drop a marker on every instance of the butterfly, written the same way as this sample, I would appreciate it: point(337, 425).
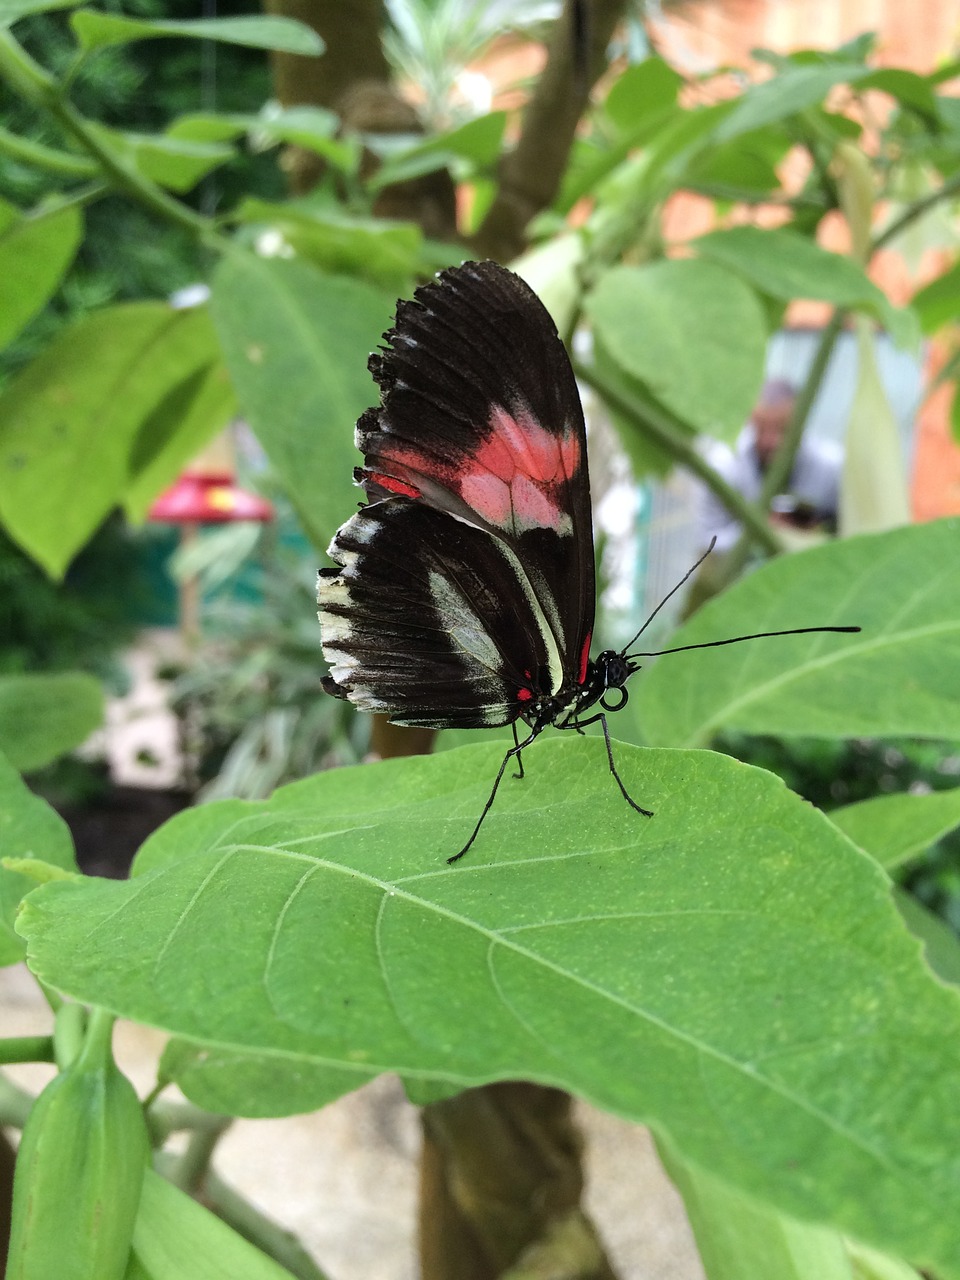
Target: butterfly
point(464, 594)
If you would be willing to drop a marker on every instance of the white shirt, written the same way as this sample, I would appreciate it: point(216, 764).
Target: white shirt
point(815, 479)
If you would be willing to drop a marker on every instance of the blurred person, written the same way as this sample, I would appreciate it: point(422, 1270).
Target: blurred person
point(811, 493)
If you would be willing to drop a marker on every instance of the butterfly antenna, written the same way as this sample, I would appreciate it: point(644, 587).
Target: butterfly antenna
point(670, 594)
point(758, 635)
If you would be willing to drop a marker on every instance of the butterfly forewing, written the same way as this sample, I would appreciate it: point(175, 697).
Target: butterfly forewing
point(481, 418)
point(467, 584)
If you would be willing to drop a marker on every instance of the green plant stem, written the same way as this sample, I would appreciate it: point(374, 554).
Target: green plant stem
point(78, 197)
point(19, 70)
point(250, 1223)
point(52, 159)
point(68, 1033)
point(166, 1117)
point(35, 85)
point(27, 1049)
point(126, 177)
point(778, 473)
point(98, 1040)
point(916, 210)
point(189, 1171)
point(647, 420)
point(53, 998)
point(15, 1103)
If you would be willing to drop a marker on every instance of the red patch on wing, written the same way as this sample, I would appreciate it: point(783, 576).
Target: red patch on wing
point(512, 479)
point(524, 695)
point(584, 659)
point(513, 476)
point(393, 485)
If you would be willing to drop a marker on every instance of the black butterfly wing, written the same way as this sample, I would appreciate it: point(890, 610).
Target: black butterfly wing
point(466, 588)
point(480, 417)
point(428, 620)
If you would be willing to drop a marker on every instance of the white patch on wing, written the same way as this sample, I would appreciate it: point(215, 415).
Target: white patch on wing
point(342, 666)
point(334, 628)
point(549, 628)
point(462, 623)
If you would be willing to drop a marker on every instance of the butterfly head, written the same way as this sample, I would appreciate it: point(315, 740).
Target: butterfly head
point(612, 671)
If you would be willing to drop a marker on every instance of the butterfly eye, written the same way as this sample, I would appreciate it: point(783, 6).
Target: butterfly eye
point(615, 670)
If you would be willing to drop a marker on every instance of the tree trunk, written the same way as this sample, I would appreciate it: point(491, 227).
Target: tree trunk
point(531, 173)
point(353, 79)
point(500, 1186)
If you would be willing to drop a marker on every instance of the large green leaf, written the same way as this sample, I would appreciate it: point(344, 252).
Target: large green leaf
point(868, 1264)
point(896, 829)
point(380, 251)
point(651, 318)
point(787, 266)
point(793, 89)
point(874, 485)
point(732, 970)
point(42, 716)
point(909, 89)
point(175, 431)
point(176, 163)
point(35, 252)
point(96, 30)
point(29, 828)
point(296, 343)
point(476, 143)
point(901, 675)
point(740, 1238)
point(70, 420)
point(745, 165)
point(311, 127)
point(642, 91)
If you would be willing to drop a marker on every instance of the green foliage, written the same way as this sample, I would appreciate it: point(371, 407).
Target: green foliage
point(566, 955)
point(736, 970)
point(248, 703)
point(41, 717)
point(295, 343)
point(824, 685)
point(897, 829)
point(34, 254)
point(99, 30)
point(742, 1239)
point(29, 828)
point(650, 318)
point(79, 623)
point(86, 404)
point(177, 1238)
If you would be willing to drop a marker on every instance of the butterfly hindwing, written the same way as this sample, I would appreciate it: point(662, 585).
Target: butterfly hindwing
point(430, 620)
point(480, 418)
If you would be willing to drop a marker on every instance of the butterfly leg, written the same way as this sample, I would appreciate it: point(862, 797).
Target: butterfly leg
point(601, 719)
point(516, 743)
point(514, 751)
